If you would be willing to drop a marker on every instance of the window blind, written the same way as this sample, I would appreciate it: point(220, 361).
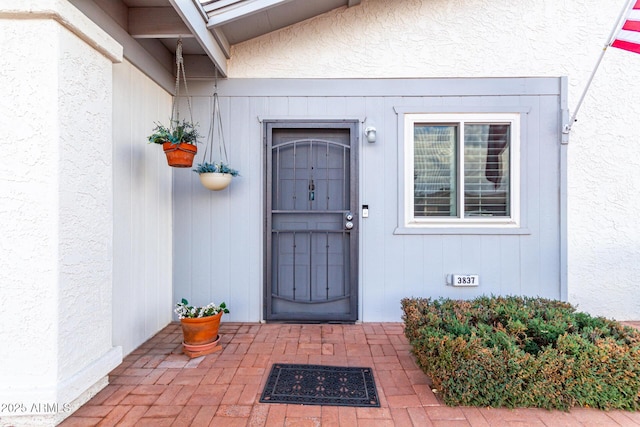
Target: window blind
point(486, 169)
point(435, 170)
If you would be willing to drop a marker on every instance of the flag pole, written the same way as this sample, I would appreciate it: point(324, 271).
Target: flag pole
point(567, 127)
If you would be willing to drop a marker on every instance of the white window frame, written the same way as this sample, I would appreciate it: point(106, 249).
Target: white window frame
point(461, 222)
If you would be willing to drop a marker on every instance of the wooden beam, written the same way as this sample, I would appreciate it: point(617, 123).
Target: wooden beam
point(199, 67)
point(192, 15)
point(222, 41)
point(157, 69)
point(208, 7)
point(222, 17)
point(156, 22)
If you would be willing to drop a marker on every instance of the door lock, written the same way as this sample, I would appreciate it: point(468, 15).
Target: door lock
point(348, 220)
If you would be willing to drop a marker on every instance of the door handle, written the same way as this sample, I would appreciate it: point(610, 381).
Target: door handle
point(348, 220)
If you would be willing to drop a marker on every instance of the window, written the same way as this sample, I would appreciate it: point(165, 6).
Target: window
point(461, 169)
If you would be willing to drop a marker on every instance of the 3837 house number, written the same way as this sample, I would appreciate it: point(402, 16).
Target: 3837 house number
point(465, 280)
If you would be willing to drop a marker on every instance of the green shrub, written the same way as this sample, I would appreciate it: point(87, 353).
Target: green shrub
point(523, 352)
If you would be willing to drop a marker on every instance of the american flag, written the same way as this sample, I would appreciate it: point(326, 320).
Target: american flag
point(628, 38)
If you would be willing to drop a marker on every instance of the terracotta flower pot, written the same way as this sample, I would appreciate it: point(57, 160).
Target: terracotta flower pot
point(200, 330)
point(180, 155)
point(215, 181)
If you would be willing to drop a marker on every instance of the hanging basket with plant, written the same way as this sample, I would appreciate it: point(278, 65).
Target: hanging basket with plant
point(215, 175)
point(178, 142)
point(179, 139)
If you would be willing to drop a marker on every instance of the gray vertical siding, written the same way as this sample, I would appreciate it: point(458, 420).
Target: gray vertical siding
point(142, 211)
point(218, 236)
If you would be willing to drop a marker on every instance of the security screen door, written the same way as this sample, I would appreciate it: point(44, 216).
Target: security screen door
point(311, 221)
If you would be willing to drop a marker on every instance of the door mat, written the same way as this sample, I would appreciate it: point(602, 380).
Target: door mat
point(320, 385)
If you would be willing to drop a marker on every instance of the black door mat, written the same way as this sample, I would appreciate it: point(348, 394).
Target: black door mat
point(320, 385)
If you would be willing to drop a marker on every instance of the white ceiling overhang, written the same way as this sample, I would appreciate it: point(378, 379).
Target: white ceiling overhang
point(210, 27)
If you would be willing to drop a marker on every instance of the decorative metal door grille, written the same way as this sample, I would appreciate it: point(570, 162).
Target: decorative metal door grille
point(311, 244)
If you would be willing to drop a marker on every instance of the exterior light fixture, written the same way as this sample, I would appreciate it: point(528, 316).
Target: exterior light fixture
point(370, 134)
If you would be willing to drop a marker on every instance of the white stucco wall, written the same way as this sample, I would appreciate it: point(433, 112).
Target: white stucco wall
point(481, 38)
point(56, 211)
point(29, 214)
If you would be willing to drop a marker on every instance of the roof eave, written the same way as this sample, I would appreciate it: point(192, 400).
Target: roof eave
point(194, 16)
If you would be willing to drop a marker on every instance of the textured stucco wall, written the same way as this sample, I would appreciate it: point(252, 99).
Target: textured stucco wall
point(434, 38)
point(85, 194)
point(29, 205)
point(480, 38)
point(56, 212)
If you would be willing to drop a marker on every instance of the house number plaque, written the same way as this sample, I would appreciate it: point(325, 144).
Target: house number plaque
point(464, 280)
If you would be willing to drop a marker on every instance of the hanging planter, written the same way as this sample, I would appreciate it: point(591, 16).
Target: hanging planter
point(215, 175)
point(215, 181)
point(180, 155)
point(179, 139)
point(178, 142)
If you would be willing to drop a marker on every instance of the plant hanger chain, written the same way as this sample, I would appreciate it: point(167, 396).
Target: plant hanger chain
point(216, 116)
point(175, 114)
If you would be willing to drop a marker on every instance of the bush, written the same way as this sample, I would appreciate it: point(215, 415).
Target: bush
point(523, 352)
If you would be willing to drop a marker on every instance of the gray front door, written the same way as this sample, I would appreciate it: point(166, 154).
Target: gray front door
point(311, 228)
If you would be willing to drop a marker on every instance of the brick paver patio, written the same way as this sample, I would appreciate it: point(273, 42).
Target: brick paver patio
point(157, 385)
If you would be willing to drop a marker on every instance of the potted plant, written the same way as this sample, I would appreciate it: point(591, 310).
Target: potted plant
point(200, 327)
point(178, 142)
point(215, 176)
